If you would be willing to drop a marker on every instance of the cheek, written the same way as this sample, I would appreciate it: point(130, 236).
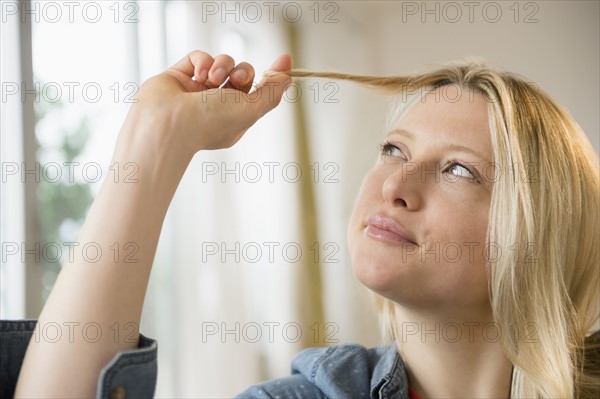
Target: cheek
point(368, 195)
point(457, 231)
point(363, 199)
point(361, 252)
point(459, 220)
point(457, 251)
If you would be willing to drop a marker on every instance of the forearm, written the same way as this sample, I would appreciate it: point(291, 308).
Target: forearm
point(107, 294)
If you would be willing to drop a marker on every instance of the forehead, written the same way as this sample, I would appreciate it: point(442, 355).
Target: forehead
point(450, 114)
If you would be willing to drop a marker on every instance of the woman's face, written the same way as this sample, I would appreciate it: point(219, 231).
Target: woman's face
point(417, 232)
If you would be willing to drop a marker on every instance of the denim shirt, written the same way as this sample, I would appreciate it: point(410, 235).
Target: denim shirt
point(345, 371)
point(130, 374)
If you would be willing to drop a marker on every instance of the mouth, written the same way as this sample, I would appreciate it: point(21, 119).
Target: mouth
point(387, 229)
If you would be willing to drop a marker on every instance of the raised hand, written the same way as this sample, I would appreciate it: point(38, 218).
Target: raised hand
point(185, 109)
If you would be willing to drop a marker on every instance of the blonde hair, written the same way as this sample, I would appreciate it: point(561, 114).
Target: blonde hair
point(546, 195)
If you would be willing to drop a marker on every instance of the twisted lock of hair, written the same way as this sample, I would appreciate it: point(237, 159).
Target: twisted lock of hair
point(381, 84)
point(558, 211)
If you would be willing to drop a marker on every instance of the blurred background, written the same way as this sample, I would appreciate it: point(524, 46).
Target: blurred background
point(252, 264)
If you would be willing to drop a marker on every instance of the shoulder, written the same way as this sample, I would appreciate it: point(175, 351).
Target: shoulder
point(340, 371)
point(295, 386)
point(315, 363)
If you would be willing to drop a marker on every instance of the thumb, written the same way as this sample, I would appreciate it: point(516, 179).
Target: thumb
point(270, 89)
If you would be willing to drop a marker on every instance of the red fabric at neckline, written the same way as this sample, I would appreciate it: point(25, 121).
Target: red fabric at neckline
point(412, 394)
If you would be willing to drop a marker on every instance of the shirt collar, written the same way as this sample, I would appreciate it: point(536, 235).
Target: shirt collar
point(389, 378)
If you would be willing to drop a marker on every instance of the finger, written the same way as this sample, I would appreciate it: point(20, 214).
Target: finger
point(220, 70)
point(241, 77)
point(282, 63)
point(256, 103)
point(196, 64)
point(269, 91)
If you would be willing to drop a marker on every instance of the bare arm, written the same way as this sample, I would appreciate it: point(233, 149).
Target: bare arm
point(174, 118)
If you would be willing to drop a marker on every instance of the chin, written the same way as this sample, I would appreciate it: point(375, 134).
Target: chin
point(374, 263)
point(379, 266)
point(375, 272)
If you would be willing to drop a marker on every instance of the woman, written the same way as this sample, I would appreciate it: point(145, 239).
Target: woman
point(477, 229)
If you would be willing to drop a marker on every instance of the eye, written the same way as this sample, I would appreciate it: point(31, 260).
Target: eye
point(389, 149)
point(456, 168)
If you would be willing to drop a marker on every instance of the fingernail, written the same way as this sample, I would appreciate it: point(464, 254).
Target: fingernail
point(218, 76)
point(241, 75)
point(203, 75)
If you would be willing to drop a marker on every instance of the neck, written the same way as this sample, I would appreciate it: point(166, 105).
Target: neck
point(453, 358)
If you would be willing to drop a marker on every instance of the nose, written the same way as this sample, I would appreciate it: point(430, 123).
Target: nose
point(402, 187)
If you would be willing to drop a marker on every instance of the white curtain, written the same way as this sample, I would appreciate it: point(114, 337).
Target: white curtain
point(12, 194)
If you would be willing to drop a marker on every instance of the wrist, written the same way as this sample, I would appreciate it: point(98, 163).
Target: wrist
point(153, 135)
point(155, 163)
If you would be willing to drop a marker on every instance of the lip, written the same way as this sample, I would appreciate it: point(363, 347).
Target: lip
point(387, 229)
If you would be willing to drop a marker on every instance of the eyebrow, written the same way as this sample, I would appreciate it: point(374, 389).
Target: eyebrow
point(402, 133)
point(455, 147)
